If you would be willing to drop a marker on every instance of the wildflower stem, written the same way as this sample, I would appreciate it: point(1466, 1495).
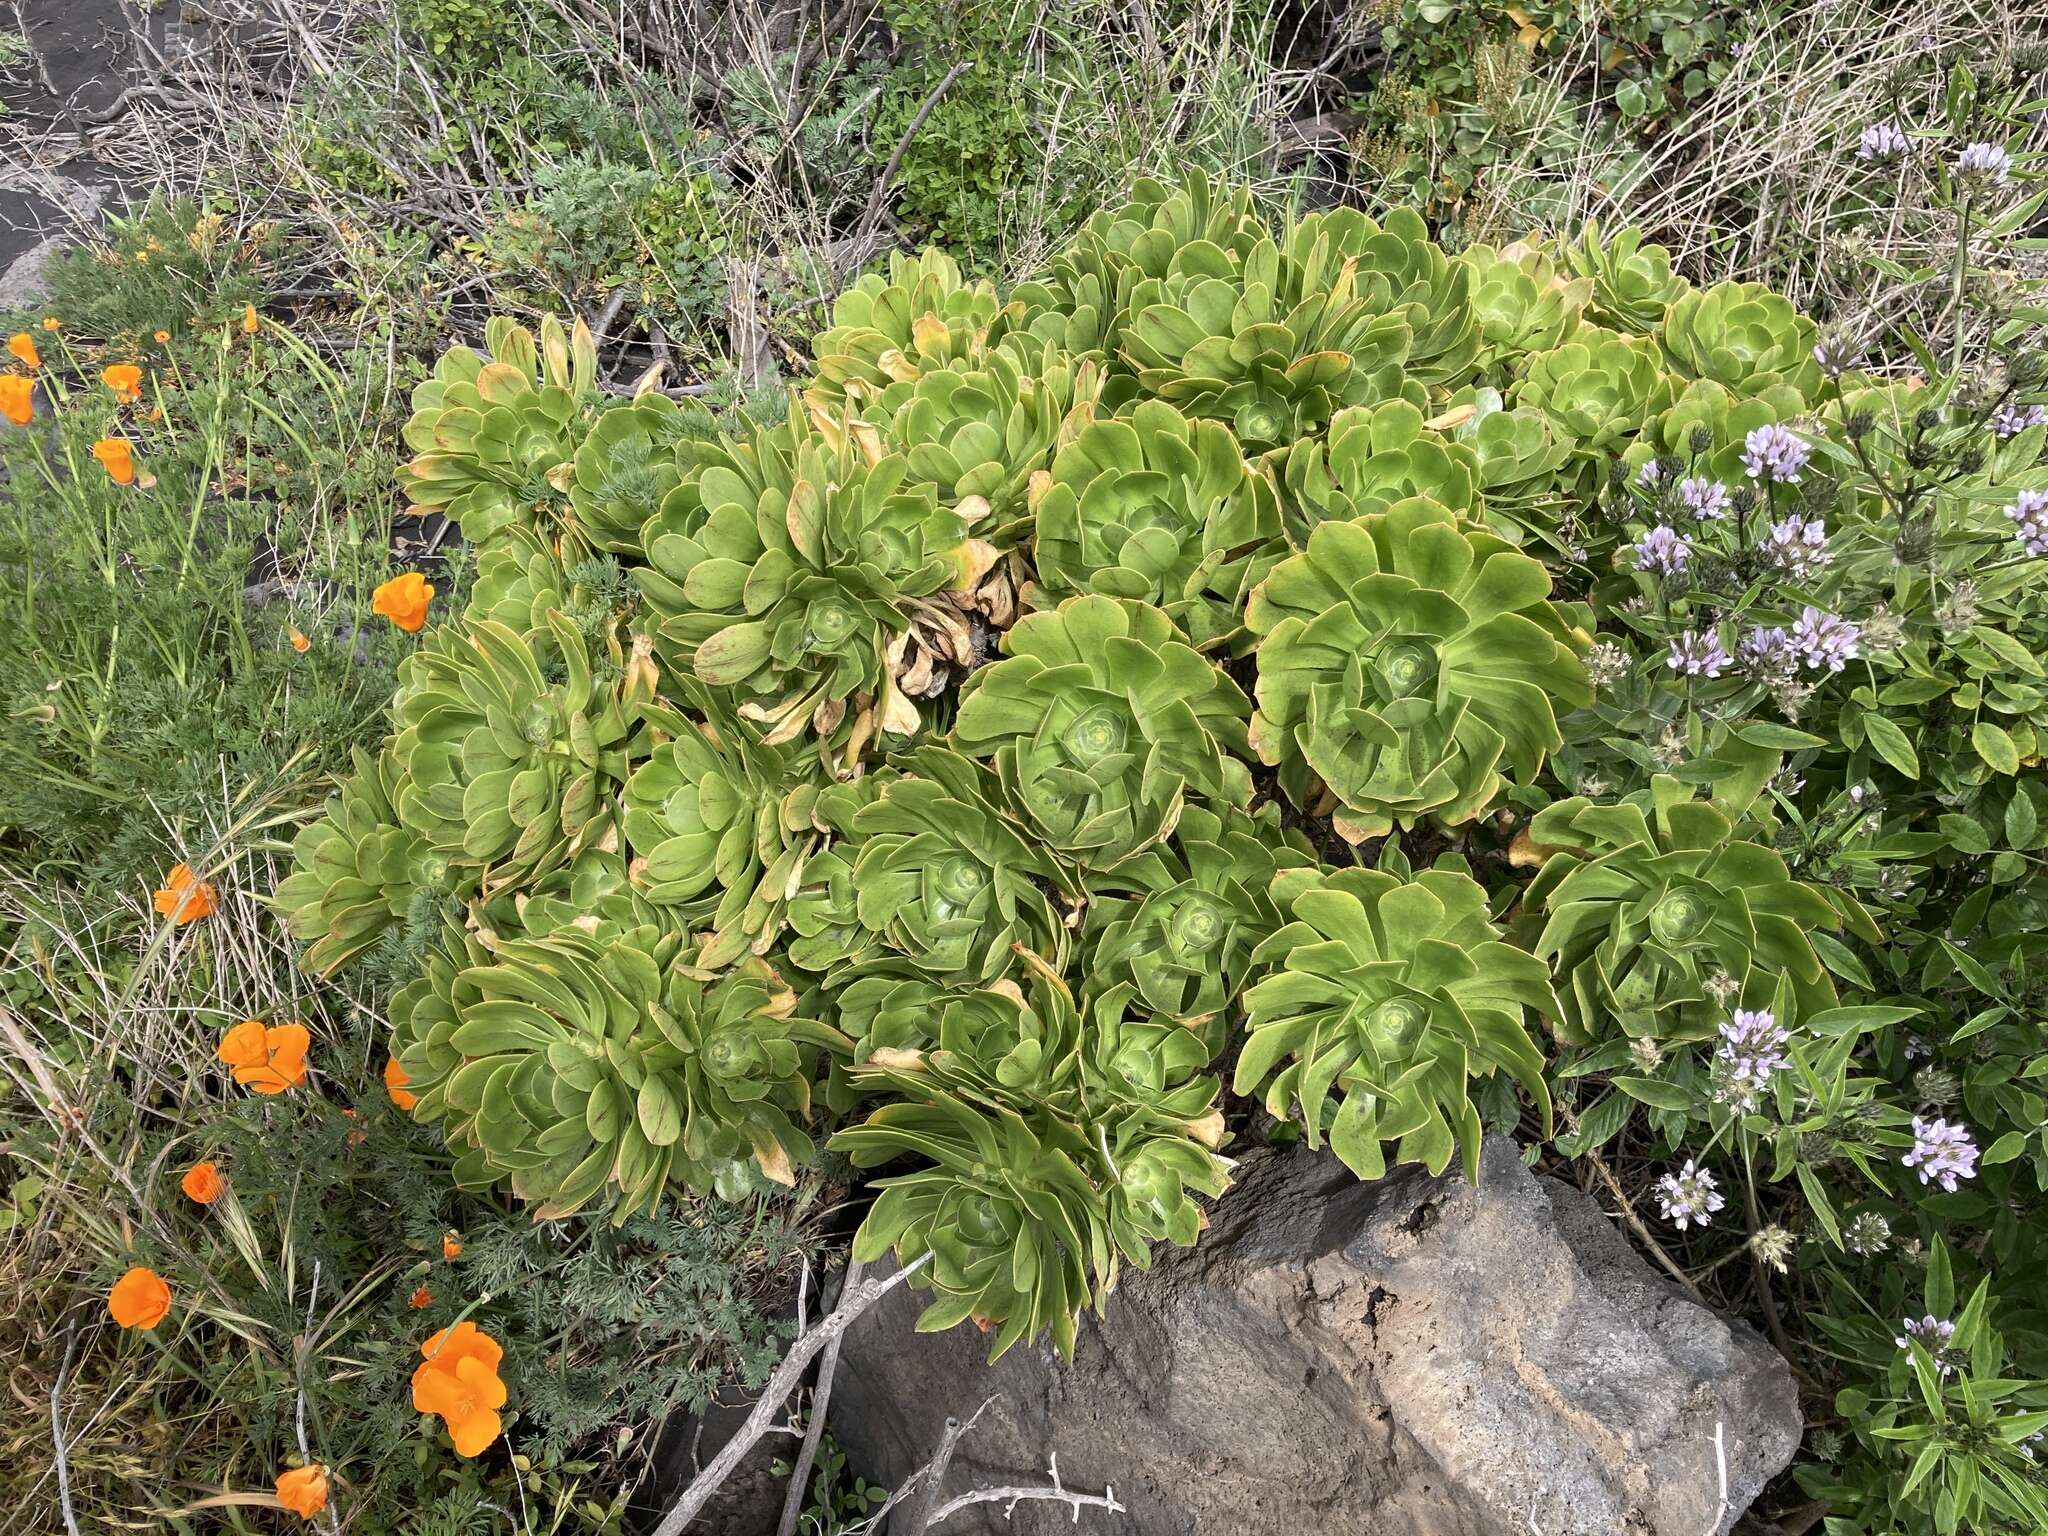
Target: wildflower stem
point(1955, 295)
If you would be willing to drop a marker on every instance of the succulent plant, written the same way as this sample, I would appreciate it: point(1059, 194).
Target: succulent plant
point(510, 749)
point(1400, 268)
point(563, 1066)
point(1647, 903)
point(1744, 336)
point(354, 870)
point(1523, 303)
point(888, 329)
point(1049, 1163)
point(1083, 302)
point(928, 870)
point(1372, 457)
point(1725, 417)
point(1101, 721)
point(1013, 1225)
point(1633, 284)
point(634, 457)
point(1406, 663)
point(493, 435)
point(801, 575)
point(519, 577)
point(1182, 937)
point(1523, 458)
point(1237, 345)
point(1598, 388)
point(1393, 995)
point(720, 825)
point(980, 434)
point(1160, 508)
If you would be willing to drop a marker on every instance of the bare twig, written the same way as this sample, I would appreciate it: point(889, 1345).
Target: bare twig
point(917, 1518)
point(780, 1385)
point(1721, 1464)
point(1628, 1214)
point(864, 231)
point(57, 1428)
point(821, 1400)
point(1010, 1497)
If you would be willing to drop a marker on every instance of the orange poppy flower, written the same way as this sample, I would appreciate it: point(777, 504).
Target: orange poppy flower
point(459, 1381)
point(118, 454)
point(162, 337)
point(23, 346)
point(267, 1059)
point(451, 1250)
point(249, 320)
point(125, 380)
point(299, 641)
point(17, 398)
point(139, 1299)
point(419, 1298)
point(185, 898)
point(394, 1084)
point(203, 1184)
point(49, 322)
point(403, 600)
point(303, 1490)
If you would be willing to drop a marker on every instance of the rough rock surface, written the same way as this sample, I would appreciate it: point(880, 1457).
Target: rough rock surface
point(1416, 1357)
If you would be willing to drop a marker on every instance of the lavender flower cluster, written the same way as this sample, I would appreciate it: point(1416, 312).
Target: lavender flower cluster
point(1689, 1195)
point(1798, 546)
point(1775, 453)
point(1941, 1153)
point(1751, 1053)
point(2012, 418)
point(2029, 515)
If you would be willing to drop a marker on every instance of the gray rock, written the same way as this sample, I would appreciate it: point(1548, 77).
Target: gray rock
point(1416, 1357)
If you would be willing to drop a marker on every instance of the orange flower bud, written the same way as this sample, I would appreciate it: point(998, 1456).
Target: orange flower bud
point(250, 323)
point(303, 1490)
point(266, 1059)
point(139, 1299)
point(299, 642)
point(125, 380)
point(403, 600)
point(23, 346)
point(17, 398)
point(162, 337)
point(118, 454)
point(203, 1184)
point(49, 322)
point(394, 1084)
point(419, 1298)
point(185, 898)
point(451, 1250)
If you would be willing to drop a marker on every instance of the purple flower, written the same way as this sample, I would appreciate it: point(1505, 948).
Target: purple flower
point(1751, 1052)
point(1689, 1196)
point(1881, 141)
point(1824, 641)
point(1776, 453)
point(1662, 551)
point(1933, 1333)
point(1942, 1153)
point(1989, 161)
point(2012, 418)
point(1649, 474)
point(1705, 499)
point(1768, 650)
point(2030, 521)
point(1798, 546)
point(1697, 655)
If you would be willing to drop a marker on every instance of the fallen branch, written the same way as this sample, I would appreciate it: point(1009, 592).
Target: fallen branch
point(872, 214)
point(821, 1399)
point(917, 1518)
point(777, 1391)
